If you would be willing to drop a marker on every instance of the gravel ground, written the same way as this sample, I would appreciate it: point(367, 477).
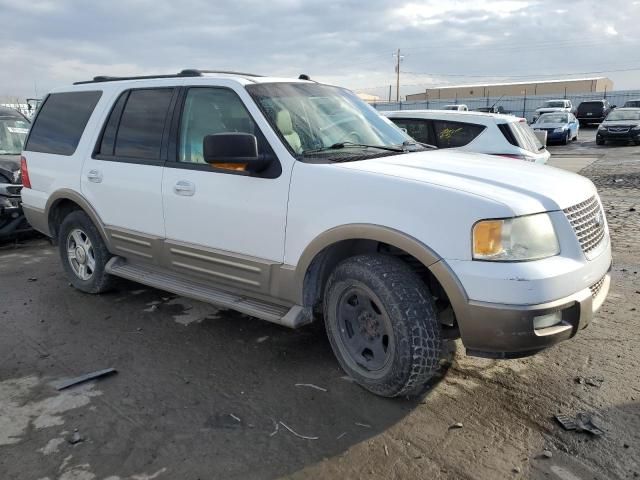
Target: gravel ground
point(203, 393)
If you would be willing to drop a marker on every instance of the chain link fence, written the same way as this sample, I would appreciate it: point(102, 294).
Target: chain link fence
point(522, 106)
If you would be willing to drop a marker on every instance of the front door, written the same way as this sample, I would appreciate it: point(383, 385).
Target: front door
point(222, 224)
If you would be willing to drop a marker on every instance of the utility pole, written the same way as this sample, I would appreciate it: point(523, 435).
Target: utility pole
point(398, 60)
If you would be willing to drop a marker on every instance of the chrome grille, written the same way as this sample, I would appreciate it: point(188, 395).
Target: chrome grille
point(595, 288)
point(587, 220)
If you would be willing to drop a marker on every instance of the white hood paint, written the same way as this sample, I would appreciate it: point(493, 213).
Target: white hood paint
point(523, 187)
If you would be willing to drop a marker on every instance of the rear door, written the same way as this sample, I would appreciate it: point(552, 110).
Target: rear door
point(123, 177)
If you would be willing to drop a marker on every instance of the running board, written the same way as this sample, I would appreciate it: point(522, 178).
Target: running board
point(292, 317)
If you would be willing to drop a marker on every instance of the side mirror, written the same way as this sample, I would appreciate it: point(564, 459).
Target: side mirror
point(233, 151)
point(613, 106)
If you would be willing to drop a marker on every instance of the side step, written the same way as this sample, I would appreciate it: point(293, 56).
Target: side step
point(292, 317)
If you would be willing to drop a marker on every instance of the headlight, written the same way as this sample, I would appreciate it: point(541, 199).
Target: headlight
point(602, 127)
point(637, 127)
point(520, 239)
point(560, 129)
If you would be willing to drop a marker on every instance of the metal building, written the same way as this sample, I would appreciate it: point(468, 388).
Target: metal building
point(543, 87)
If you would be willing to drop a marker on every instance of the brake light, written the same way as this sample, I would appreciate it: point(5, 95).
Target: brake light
point(24, 173)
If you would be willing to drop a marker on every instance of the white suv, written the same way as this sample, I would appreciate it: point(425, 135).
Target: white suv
point(290, 200)
point(494, 134)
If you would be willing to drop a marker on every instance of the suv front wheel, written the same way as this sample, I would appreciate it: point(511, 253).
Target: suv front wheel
point(382, 325)
point(84, 254)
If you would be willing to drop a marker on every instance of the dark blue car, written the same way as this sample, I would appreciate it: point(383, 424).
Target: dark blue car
point(560, 126)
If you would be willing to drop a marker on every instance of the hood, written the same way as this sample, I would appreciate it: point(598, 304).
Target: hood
point(552, 109)
point(547, 126)
point(620, 123)
point(523, 187)
point(10, 167)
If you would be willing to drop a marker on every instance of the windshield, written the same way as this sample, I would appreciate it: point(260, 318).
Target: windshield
point(13, 132)
point(553, 118)
point(312, 117)
point(554, 104)
point(624, 115)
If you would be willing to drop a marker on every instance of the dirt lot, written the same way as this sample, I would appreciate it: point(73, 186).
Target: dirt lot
point(200, 392)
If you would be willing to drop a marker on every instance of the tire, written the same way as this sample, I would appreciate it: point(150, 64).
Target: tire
point(81, 245)
point(382, 325)
point(599, 141)
point(567, 138)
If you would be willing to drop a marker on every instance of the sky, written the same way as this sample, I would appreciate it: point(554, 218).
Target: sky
point(46, 44)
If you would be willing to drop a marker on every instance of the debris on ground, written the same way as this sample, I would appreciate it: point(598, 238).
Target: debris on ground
point(297, 434)
point(455, 426)
point(591, 381)
point(341, 435)
point(85, 378)
point(277, 427)
point(547, 454)
point(311, 385)
point(516, 469)
point(363, 425)
point(32, 279)
point(386, 450)
point(262, 339)
point(581, 423)
point(237, 419)
point(75, 438)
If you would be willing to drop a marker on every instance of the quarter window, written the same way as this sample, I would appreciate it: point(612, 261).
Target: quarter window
point(61, 121)
point(455, 134)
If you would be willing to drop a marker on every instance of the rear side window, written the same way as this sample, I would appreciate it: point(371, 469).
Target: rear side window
point(139, 134)
point(521, 135)
point(455, 134)
point(419, 130)
point(60, 122)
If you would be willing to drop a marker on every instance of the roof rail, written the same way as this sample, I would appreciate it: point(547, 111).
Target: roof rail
point(198, 72)
point(189, 72)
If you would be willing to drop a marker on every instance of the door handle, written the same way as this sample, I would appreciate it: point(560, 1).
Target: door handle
point(184, 188)
point(94, 176)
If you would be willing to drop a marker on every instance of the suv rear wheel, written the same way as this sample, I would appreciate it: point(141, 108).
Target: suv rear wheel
point(382, 325)
point(84, 254)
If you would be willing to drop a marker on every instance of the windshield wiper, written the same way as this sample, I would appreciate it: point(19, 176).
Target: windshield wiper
point(408, 143)
point(340, 145)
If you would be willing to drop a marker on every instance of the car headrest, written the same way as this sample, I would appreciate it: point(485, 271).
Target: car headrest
point(283, 122)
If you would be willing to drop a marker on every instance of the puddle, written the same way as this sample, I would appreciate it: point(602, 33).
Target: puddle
point(18, 412)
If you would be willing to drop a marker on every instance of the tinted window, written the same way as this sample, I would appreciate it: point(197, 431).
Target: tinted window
point(111, 128)
point(61, 121)
point(419, 130)
point(455, 134)
point(142, 124)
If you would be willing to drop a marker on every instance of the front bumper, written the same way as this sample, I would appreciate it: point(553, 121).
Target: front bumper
point(12, 219)
point(507, 331)
point(621, 137)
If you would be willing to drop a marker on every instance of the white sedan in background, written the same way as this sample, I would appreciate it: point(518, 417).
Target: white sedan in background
point(493, 134)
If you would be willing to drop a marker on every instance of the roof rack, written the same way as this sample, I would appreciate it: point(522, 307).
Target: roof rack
point(189, 72)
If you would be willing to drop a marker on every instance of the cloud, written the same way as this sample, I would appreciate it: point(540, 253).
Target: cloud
point(346, 43)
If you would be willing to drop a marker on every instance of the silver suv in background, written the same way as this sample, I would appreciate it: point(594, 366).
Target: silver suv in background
point(551, 106)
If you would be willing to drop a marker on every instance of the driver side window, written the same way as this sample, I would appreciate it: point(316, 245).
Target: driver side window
point(208, 111)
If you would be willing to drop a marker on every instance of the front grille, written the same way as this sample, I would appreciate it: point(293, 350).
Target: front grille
point(595, 288)
point(587, 220)
point(619, 129)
